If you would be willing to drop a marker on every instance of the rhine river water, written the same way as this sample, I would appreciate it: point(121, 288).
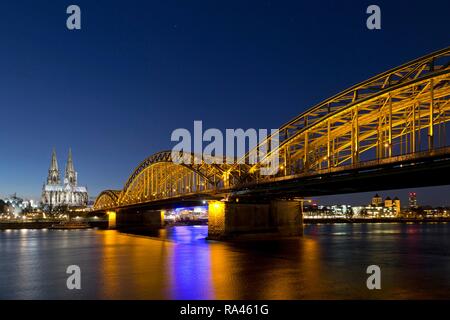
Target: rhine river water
point(329, 262)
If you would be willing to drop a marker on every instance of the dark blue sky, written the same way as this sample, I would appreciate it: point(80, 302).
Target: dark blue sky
point(115, 90)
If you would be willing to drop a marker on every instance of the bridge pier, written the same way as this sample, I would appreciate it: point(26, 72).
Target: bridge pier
point(278, 218)
point(111, 219)
point(131, 218)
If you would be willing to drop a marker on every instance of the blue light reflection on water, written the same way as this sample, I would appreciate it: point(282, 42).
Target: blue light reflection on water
point(190, 267)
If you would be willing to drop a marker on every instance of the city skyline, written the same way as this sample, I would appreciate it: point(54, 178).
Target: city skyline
point(362, 199)
point(167, 62)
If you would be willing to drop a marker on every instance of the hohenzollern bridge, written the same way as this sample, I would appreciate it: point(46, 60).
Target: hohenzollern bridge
point(384, 133)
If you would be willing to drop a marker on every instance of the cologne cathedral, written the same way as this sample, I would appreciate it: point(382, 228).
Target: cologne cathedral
point(55, 194)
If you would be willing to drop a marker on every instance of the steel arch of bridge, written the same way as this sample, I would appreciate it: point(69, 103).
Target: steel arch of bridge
point(107, 199)
point(159, 177)
point(399, 113)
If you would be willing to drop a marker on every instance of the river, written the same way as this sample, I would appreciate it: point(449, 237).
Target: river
point(328, 262)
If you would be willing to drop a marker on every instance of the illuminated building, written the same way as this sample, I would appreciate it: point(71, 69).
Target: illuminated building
point(55, 194)
point(15, 205)
point(388, 202)
point(396, 205)
point(412, 200)
point(196, 213)
point(377, 200)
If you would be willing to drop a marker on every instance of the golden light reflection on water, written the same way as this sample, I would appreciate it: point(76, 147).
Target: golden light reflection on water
point(279, 269)
point(140, 260)
point(110, 264)
point(222, 280)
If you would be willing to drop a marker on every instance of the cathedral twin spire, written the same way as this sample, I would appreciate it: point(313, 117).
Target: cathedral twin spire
point(53, 172)
point(70, 176)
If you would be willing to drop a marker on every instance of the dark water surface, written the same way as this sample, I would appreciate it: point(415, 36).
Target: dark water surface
point(329, 262)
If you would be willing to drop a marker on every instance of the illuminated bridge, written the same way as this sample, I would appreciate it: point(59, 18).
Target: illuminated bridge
point(386, 132)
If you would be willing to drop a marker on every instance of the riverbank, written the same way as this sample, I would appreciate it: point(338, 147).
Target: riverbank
point(44, 225)
point(374, 220)
point(103, 224)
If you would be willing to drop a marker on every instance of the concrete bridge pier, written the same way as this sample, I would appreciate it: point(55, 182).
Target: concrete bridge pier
point(142, 219)
point(278, 218)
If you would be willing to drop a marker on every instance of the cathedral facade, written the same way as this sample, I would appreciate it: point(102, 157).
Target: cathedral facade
point(68, 193)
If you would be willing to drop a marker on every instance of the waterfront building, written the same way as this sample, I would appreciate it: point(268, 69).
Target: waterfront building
point(16, 205)
point(397, 205)
point(68, 193)
point(184, 214)
point(388, 202)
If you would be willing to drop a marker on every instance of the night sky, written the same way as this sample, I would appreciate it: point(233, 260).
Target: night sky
point(115, 90)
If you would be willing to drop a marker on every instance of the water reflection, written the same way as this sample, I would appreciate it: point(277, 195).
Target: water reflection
point(189, 264)
point(133, 264)
point(329, 262)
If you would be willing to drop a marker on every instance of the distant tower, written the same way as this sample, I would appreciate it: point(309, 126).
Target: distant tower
point(388, 202)
point(412, 200)
point(53, 177)
point(70, 176)
point(397, 205)
point(377, 200)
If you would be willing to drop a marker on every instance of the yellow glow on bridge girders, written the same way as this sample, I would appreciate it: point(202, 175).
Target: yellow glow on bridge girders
point(107, 199)
point(403, 117)
point(399, 113)
point(422, 69)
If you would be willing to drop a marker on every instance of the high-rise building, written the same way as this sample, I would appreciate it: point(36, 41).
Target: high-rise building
point(69, 193)
point(412, 200)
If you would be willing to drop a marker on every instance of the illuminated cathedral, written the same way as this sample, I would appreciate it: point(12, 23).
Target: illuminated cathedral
point(69, 194)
